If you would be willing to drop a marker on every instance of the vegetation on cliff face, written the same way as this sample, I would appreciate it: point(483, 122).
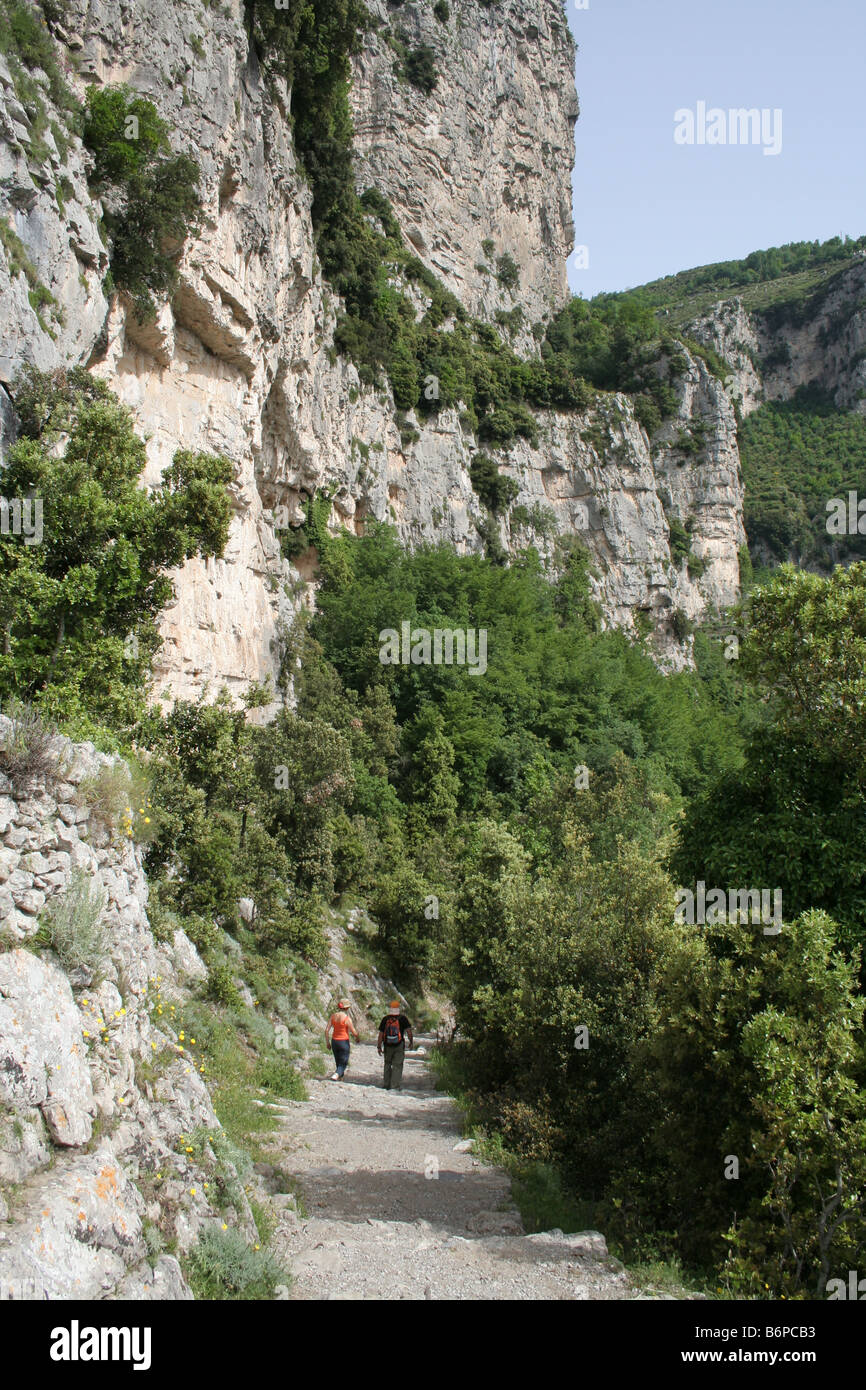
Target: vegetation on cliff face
point(151, 195)
point(796, 456)
point(79, 607)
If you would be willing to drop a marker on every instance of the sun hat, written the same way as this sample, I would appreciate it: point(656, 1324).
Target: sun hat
point(343, 1003)
point(394, 1006)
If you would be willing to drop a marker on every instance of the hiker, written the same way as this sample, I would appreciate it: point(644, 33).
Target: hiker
point(340, 1026)
point(393, 1031)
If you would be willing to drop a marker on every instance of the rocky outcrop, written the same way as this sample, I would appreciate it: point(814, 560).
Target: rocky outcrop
point(480, 166)
point(95, 1090)
point(819, 342)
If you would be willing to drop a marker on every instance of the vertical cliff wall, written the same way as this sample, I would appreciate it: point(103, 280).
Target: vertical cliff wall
point(240, 363)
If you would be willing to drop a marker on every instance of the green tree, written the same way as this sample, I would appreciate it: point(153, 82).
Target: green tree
point(759, 1057)
point(79, 609)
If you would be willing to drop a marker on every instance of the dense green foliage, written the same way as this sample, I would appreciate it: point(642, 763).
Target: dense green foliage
point(796, 456)
point(793, 816)
point(78, 608)
point(151, 194)
point(512, 833)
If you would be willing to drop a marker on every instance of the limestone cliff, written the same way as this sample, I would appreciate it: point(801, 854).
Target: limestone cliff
point(820, 343)
point(239, 361)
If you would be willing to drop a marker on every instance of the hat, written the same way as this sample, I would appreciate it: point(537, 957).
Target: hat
point(343, 1003)
point(394, 1006)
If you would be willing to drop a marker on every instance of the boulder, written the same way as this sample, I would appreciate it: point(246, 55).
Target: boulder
point(43, 1054)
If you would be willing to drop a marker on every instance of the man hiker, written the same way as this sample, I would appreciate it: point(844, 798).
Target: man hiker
point(393, 1031)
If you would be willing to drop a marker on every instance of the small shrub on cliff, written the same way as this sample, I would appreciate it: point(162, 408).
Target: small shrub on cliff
point(27, 752)
point(71, 926)
point(118, 795)
point(221, 986)
point(420, 68)
point(495, 490)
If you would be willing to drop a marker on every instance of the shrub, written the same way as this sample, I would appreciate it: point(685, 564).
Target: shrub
point(494, 489)
point(680, 625)
point(420, 68)
point(154, 203)
point(278, 1076)
point(221, 986)
point(696, 565)
point(71, 926)
point(123, 132)
point(647, 413)
point(27, 753)
point(442, 11)
point(223, 1266)
point(507, 272)
point(118, 796)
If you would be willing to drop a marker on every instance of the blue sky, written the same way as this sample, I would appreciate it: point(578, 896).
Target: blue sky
point(645, 206)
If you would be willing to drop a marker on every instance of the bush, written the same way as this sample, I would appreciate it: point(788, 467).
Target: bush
point(442, 11)
point(27, 753)
point(119, 796)
point(71, 926)
point(680, 625)
point(495, 490)
point(420, 68)
point(223, 1266)
point(277, 1076)
point(507, 272)
point(221, 986)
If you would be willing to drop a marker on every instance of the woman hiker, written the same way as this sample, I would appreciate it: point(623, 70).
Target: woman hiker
point(339, 1027)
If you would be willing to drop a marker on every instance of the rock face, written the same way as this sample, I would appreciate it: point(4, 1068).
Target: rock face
point(821, 343)
point(93, 1094)
point(486, 156)
point(239, 362)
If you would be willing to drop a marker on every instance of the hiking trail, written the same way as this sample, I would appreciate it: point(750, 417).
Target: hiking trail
point(380, 1225)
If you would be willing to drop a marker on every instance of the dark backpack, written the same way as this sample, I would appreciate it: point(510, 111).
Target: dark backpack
point(393, 1031)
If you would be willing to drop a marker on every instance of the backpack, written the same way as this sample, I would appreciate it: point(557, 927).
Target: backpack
point(393, 1031)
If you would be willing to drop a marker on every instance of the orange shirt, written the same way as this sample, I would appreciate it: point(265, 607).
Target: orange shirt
point(340, 1025)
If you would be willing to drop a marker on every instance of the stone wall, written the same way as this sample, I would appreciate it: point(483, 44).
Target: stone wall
point(87, 1120)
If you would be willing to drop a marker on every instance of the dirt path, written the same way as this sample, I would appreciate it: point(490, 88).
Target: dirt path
point(393, 1210)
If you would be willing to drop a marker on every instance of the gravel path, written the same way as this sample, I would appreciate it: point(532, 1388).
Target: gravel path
point(394, 1211)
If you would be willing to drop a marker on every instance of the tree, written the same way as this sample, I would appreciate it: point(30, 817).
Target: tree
point(760, 1057)
point(79, 609)
point(151, 195)
point(804, 780)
